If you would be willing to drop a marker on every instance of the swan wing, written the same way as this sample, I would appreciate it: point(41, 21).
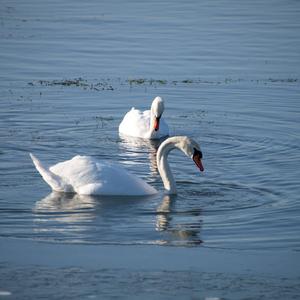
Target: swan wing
point(136, 123)
point(91, 177)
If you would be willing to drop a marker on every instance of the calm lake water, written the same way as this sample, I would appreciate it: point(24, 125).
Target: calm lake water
point(229, 73)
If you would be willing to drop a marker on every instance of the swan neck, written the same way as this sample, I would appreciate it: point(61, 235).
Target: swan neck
point(152, 120)
point(164, 167)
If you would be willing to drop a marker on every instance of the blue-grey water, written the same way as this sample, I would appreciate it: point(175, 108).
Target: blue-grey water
point(229, 73)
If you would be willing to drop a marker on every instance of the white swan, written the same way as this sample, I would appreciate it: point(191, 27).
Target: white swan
point(147, 124)
point(87, 176)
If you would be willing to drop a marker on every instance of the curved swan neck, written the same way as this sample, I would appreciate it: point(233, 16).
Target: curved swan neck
point(152, 120)
point(163, 165)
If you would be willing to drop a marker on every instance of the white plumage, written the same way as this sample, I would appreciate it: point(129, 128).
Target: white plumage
point(87, 176)
point(147, 124)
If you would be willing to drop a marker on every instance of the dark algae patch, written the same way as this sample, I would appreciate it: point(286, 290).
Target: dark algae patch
point(77, 82)
point(107, 84)
point(141, 81)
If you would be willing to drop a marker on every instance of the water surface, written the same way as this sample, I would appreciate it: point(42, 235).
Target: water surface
point(229, 73)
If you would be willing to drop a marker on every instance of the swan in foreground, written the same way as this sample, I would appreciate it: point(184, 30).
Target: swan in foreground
point(87, 176)
point(147, 124)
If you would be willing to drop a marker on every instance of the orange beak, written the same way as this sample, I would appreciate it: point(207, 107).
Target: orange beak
point(156, 123)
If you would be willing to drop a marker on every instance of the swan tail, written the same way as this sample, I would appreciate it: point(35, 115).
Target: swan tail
point(55, 182)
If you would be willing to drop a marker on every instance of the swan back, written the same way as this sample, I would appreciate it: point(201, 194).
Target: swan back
point(87, 176)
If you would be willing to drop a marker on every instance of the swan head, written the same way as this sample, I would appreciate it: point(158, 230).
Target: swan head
point(157, 109)
point(191, 149)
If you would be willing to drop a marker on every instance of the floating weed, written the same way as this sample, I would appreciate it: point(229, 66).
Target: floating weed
point(283, 80)
point(106, 84)
point(101, 86)
point(141, 81)
point(187, 81)
point(64, 82)
point(162, 81)
point(77, 82)
point(136, 81)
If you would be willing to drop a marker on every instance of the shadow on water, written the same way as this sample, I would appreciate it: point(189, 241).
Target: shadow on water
point(74, 218)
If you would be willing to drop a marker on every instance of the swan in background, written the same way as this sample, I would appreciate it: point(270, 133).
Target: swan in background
point(86, 176)
point(147, 124)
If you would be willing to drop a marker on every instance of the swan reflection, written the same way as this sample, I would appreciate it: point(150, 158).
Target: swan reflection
point(64, 213)
point(136, 148)
point(80, 219)
point(56, 201)
point(178, 232)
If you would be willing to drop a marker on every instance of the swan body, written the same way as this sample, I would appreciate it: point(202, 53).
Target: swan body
point(147, 124)
point(87, 176)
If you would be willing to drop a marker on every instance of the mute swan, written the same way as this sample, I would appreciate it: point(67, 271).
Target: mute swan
point(87, 176)
point(147, 124)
